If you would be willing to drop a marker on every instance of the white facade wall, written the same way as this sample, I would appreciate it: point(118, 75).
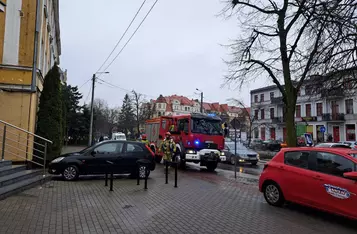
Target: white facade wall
point(350, 119)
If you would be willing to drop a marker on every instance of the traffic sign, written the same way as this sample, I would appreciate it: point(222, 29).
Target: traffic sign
point(235, 123)
point(322, 129)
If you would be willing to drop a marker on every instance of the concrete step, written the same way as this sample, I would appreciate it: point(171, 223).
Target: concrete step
point(5, 163)
point(18, 176)
point(4, 171)
point(22, 185)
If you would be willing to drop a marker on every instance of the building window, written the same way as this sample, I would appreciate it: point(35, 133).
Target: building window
point(349, 106)
point(298, 111)
point(350, 132)
point(271, 95)
point(255, 98)
point(318, 109)
point(262, 134)
point(262, 97)
point(256, 114)
point(272, 133)
point(308, 110)
point(272, 113)
point(159, 106)
point(298, 93)
point(347, 83)
point(308, 90)
point(262, 113)
point(256, 133)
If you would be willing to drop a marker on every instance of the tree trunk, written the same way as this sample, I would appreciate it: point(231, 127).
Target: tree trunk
point(290, 104)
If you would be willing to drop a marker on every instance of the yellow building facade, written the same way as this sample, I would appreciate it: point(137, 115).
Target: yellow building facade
point(29, 46)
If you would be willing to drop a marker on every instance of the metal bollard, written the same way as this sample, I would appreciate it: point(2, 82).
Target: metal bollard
point(138, 175)
point(111, 181)
point(106, 178)
point(146, 178)
point(176, 174)
point(167, 172)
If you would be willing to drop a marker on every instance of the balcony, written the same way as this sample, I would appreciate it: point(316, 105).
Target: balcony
point(278, 120)
point(331, 93)
point(337, 117)
point(277, 100)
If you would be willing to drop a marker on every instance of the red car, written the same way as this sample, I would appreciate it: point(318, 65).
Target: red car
point(322, 178)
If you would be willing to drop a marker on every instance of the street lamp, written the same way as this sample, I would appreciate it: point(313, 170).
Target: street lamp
point(201, 99)
point(92, 108)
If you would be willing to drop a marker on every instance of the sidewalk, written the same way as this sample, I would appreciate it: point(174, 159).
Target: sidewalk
point(203, 203)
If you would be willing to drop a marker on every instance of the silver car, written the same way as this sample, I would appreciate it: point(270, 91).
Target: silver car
point(244, 155)
point(352, 144)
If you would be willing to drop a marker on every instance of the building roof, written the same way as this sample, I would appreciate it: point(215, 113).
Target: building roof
point(208, 107)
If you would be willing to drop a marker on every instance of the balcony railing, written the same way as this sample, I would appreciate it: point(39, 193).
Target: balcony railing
point(333, 117)
point(277, 120)
point(276, 100)
point(332, 93)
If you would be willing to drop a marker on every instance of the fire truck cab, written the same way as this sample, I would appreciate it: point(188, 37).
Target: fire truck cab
point(198, 137)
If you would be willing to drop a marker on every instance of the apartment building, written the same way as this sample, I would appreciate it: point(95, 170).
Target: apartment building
point(323, 113)
point(29, 46)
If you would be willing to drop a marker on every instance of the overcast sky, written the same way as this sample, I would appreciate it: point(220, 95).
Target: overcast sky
point(177, 49)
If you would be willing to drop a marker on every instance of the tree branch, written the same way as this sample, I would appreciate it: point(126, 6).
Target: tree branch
point(270, 72)
point(237, 2)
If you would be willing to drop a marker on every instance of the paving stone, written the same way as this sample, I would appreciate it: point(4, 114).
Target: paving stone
point(203, 203)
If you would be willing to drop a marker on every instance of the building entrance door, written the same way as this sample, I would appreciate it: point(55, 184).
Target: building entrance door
point(336, 133)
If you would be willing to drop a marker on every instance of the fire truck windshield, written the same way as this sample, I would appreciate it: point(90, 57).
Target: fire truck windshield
point(206, 126)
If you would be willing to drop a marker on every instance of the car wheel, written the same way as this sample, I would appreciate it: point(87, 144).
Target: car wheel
point(233, 160)
point(273, 194)
point(70, 173)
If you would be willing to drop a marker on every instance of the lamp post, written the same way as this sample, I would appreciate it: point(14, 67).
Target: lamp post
point(201, 99)
point(92, 107)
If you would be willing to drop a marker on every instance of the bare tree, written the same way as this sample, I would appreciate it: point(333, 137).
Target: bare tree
point(138, 100)
point(248, 120)
point(290, 41)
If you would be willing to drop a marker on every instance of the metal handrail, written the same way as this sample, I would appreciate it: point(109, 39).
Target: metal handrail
point(4, 138)
point(22, 144)
point(22, 157)
point(25, 138)
point(23, 130)
point(33, 155)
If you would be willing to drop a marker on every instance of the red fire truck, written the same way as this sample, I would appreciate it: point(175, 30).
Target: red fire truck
point(198, 138)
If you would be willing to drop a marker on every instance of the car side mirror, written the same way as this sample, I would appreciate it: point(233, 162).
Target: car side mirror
point(350, 175)
point(93, 153)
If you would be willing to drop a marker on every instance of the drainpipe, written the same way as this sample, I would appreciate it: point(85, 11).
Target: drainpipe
point(35, 47)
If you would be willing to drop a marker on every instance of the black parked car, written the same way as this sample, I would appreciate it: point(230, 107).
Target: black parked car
point(93, 160)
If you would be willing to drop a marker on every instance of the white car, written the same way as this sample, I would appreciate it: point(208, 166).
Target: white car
point(119, 136)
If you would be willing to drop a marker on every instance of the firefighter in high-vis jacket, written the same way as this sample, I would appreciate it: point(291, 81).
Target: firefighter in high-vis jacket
point(168, 148)
point(145, 140)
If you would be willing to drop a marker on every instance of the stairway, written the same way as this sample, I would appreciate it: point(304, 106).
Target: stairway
point(15, 178)
point(17, 146)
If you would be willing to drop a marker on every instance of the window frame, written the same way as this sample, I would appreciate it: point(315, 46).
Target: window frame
point(306, 110)
point(347, 101)
point(314, 164)
point(300, 151)
point(107, 143)
point(133, 144)
point(318, 113)
point(296, 112)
